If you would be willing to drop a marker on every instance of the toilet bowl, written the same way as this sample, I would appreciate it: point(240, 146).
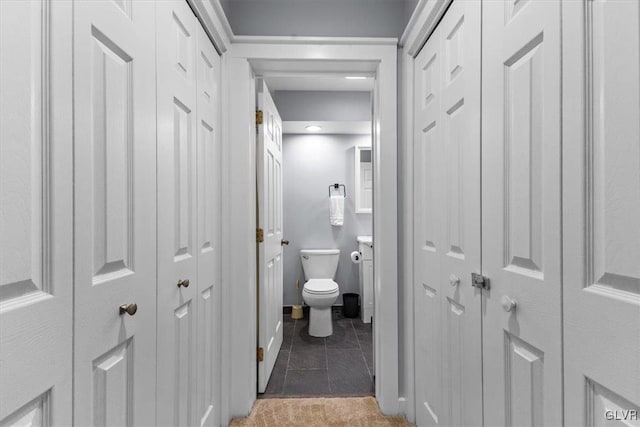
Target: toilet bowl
point(320, 291)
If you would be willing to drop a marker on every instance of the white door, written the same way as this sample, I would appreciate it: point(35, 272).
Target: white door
point(178, 243)
point(115, 211)
point(601, 199)
point(447, 164)
point(428, 196)
point(270, 297)
point(208, 231)
point(521, 237)
point(36, 229)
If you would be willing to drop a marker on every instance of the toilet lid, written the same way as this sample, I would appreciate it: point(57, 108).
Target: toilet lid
point(320, 286)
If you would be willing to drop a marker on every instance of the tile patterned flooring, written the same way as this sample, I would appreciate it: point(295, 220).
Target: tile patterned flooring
point(338, 365)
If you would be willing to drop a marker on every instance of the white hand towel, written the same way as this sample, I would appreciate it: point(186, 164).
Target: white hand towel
point(336, 209)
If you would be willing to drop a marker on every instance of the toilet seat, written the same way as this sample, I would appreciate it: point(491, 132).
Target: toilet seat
point(321, 286)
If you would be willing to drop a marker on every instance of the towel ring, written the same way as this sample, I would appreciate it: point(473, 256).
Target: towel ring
point(337, 187)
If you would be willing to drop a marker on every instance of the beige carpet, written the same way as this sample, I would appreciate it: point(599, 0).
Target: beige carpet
point(318, 412)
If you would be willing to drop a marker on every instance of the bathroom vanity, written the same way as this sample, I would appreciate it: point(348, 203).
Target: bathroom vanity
point(365, 246)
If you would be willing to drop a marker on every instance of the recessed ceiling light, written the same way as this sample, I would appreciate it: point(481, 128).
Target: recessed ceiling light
point(313, 128)
point(355, 77)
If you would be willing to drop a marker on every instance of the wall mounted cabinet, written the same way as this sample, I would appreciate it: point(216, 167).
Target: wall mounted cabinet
point(363, 187)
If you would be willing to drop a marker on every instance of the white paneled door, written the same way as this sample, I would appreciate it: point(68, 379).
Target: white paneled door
point(269, 162)
point(208, 231)
point(601, 198)
point(188, 76)
point(36, 229)
point(177, 208)
point(428, 197)
point(115, 211)
point(521, 212)
point(447, 161)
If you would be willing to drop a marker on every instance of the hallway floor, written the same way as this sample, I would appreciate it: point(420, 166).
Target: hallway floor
point(338, 365)
point(318, 412)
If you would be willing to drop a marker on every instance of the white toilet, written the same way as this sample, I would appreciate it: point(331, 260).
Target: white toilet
point(320, 291)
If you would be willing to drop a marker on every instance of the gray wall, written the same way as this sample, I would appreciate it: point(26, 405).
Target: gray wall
point(323, 105)
point(340, 18)
point(310, 164)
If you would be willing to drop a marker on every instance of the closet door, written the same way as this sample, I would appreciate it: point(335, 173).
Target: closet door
point(115, 212)
point(601, 199)
point(461, 302)
point(208, 240)
point(448, 311)
point(428, 202)
point(36, 228)
point(179, 246)
point(521, 234)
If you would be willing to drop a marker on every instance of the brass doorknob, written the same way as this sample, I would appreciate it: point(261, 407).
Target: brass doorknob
point(284, 242)
point(183, 282)
point(130, 309)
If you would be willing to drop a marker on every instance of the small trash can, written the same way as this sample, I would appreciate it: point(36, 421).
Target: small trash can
point(350, 305)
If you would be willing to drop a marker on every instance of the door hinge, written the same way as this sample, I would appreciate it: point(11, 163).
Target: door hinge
point(480, 281)
point(260, 354)
point(259, 235)
point(258, 117)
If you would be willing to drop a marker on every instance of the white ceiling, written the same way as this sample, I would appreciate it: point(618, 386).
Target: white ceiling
point(319, 18)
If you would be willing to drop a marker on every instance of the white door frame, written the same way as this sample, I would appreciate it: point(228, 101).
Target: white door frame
point(239, 216)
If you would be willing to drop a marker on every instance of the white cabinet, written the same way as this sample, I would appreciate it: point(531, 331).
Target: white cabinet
point(365, 246)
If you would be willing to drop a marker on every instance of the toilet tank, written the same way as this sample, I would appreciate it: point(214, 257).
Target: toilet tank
point(319, 263)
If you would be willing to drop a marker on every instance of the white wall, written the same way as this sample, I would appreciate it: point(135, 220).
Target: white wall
point(328, 18)
point(310, 164)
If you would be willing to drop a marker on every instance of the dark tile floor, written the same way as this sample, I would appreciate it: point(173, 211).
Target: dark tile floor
point(338, 365)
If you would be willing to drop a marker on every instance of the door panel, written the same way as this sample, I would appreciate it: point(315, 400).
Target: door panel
point(429, 243)
point(521, 213)
point(270, 293)
point(461, 302)
point(179, 245)
point(601, 194)
point(448, 315)
point(36, 229)
point(209, 166)
point(114, 213)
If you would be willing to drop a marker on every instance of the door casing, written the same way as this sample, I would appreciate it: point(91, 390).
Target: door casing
point(375, 56)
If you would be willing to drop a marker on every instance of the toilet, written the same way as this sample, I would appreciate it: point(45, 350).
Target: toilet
point(320, 291)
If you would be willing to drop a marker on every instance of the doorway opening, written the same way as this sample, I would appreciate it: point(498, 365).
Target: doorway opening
point(253, 58)
point(314, 168)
